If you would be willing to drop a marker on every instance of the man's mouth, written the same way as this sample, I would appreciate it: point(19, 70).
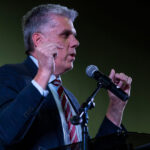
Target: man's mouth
point(73, 55)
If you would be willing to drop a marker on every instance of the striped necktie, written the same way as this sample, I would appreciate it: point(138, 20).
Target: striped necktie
point(67, 110)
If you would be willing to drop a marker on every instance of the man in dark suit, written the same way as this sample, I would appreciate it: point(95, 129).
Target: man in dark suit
point(32, 116)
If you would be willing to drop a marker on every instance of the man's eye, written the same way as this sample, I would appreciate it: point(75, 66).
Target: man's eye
point(66, 35)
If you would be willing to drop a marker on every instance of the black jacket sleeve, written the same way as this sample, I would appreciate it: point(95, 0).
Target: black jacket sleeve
point(19, 104)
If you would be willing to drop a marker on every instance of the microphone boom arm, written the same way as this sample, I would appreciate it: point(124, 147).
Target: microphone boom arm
point(82, 116)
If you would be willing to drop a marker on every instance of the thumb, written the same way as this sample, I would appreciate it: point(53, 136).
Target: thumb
point(112, 74)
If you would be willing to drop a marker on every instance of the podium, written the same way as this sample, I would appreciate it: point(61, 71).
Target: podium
point(124, 141)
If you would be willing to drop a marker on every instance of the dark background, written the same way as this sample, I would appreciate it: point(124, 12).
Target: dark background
point(112, 34)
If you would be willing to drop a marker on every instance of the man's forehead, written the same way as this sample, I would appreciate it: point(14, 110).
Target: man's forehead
point(63, 23)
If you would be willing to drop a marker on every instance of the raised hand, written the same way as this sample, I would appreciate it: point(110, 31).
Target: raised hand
point(116, 106)
point(45, 53)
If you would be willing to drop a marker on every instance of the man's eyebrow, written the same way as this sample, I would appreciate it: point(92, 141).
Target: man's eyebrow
point(68, 32)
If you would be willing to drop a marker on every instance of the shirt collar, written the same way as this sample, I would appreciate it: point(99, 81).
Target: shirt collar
point(52, 77)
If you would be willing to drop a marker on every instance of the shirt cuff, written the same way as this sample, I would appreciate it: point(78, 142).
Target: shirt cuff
point(107, 127)
point(39, 88)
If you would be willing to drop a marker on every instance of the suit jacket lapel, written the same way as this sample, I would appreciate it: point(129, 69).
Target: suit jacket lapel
point(73, 100)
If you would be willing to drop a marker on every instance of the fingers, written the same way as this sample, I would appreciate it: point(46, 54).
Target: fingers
point(46, 53)
point(49, 49)
point(49, 46)
point(112, 74)
point(129, 81)
point(121, 80)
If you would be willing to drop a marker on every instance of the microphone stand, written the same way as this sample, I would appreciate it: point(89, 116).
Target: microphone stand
point(82, 116)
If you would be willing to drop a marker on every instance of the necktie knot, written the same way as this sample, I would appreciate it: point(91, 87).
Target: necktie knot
point(57, 82)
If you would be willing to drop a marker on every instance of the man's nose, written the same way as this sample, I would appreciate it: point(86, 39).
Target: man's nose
point(74, 42)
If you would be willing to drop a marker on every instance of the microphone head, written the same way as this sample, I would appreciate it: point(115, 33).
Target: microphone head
point(90, 70)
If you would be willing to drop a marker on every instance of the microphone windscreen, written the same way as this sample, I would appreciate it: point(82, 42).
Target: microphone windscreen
point(90, 70)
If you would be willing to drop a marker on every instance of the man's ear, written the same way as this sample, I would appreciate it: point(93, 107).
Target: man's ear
point(37, 38)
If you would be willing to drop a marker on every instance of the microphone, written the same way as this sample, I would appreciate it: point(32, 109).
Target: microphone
point(92, 71)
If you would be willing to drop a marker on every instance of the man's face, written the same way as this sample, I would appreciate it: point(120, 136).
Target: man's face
point(63, 34)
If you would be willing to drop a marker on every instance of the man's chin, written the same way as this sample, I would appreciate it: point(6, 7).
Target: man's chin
point(60, 72)
point(69, 68)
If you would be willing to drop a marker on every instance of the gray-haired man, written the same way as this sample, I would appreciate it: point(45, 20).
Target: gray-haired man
point(32, 116)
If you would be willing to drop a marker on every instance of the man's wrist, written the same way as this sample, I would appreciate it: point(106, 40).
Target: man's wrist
point(115, 114)
point(42, 77)
point(40, 89)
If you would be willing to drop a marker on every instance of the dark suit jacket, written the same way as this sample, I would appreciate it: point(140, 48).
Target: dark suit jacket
point(28, 120)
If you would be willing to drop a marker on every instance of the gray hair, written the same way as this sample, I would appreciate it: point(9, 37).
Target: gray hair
point(36, 17)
